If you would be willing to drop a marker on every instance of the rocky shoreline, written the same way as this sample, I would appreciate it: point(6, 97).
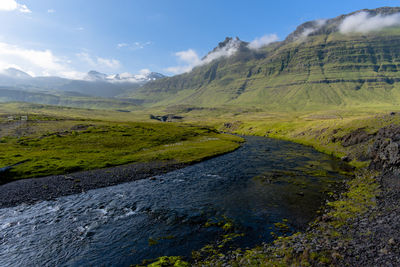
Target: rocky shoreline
point(361, 228)
point(50, 187)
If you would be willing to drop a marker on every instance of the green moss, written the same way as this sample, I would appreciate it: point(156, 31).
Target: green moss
point(53, 148)
point(360, 197)
point(169, 262)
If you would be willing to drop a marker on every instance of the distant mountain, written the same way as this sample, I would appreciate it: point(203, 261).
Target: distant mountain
point(350, 60)
point(68, 99)
point(95, 83)
point(142, 78)
point(95, 76)
point(16, 74)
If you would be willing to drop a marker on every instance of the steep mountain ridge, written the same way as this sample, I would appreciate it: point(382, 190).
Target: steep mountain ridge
point(315, 67)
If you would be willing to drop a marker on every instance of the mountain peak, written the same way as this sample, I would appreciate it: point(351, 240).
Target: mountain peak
point(95, 76)
point(226, 48)
point(229, 43)
point(16, 73)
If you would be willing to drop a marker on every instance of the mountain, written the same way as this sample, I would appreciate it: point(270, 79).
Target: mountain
point(350, 60)
point(143, 77)
point(95, 83)
point(95, 76)
point(67, 99)
point(16, 74)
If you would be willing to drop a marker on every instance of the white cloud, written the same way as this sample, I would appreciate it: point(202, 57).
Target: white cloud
point(99, 62)
point(122, 45)
point(51, 11)
point(24, 9)
point(179, 69)
point(189, 58)
point(363, 22)
point(263, 41)
point(144, 72)
point(35, 62)
point(135, 45)
point(109, 63)
point(12, 5)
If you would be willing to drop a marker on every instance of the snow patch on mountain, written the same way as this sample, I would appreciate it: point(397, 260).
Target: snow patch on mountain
point(143, 76)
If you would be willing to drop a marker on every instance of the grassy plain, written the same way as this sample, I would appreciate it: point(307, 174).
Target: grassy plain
point(59, 140)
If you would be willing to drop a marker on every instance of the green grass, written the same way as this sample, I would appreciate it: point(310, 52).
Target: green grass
point(58, 145)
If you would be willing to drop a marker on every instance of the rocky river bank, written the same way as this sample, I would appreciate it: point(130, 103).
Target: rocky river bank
point(360, 228)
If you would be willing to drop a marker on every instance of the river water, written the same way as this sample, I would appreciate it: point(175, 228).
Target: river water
point(264, 182)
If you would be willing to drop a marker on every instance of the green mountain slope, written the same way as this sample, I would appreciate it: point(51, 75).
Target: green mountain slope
point(324, 69)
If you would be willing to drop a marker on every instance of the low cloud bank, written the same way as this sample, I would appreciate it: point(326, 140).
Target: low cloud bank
point(363, 22)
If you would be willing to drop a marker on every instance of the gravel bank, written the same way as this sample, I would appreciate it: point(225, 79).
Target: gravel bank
point(50, 187)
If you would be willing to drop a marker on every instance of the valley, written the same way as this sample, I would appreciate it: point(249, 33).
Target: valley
point(284, 153)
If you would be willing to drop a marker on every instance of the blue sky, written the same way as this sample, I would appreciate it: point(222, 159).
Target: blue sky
point(71, 37)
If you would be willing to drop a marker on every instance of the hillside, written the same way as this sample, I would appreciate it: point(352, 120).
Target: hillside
point(320, 65)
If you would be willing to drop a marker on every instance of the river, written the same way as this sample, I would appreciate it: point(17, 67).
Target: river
point(263, 182)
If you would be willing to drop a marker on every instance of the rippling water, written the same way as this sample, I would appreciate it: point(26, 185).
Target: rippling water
point(259, 184)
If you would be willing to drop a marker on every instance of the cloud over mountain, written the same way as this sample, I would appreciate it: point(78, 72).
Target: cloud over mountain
point(263, 41)
point(363, 22)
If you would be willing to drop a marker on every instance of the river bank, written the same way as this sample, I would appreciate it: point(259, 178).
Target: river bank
point(361, 227)
point(50, 187)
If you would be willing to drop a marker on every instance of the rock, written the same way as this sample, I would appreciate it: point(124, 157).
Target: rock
point(166, 118)
point(356, 137)
point(345, 159)
point(385, 152)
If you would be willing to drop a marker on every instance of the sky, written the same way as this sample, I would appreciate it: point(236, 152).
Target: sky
point(70, 37)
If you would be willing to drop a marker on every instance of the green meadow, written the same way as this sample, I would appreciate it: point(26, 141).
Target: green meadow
point(61, 143)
